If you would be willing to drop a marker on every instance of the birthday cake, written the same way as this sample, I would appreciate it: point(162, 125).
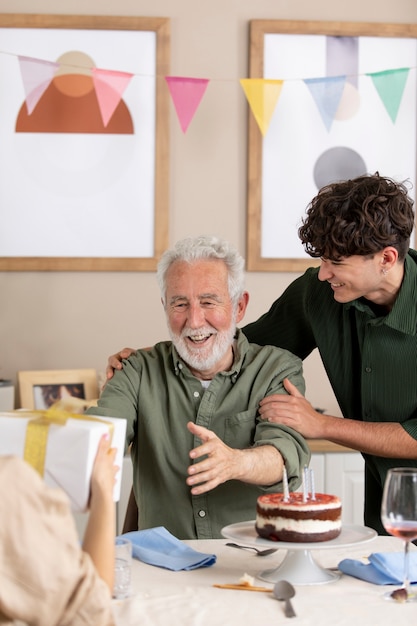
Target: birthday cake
point(296, 518)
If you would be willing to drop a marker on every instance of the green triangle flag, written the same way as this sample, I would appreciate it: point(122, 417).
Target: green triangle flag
point(390, 86)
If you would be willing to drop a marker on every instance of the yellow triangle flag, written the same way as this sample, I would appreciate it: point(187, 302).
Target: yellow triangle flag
point(262, 95)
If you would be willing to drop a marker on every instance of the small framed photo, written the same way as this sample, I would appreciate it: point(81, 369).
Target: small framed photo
point(40, 389)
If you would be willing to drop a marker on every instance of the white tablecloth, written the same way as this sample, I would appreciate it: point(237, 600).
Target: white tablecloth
point(165, 598)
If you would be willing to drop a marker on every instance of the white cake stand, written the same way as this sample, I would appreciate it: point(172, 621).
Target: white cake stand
point(299, 566)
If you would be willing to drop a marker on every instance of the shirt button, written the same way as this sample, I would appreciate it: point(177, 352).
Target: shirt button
point(196, 394)
point(202, 513)
point(368, 369)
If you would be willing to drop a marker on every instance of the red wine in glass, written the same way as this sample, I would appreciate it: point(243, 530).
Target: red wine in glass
point(405, 530)
point(399, 513)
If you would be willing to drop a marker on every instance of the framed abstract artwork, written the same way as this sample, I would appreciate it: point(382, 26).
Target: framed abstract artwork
point(347, 107)
point(84, 141)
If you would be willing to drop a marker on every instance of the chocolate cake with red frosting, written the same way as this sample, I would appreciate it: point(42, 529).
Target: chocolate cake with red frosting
point(298, 519)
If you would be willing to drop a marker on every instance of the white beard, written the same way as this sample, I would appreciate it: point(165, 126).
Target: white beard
point(203, 358)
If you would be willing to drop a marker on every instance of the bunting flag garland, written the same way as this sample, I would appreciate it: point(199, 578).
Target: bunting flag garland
point(327, 93)
point(36, 77)
point(110, 86)
point(390, 86)
point(186, 94)
point(262, 95)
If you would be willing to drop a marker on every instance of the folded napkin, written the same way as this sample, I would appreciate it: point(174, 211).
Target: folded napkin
point(384, 568)
point(157, 546)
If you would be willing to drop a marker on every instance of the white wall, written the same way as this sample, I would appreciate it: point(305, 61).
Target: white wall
point(75, 320)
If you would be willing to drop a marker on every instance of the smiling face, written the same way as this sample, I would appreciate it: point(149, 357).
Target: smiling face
point(200, 314)
point(357, 277)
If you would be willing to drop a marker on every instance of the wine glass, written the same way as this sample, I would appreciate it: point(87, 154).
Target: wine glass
point(399, 514)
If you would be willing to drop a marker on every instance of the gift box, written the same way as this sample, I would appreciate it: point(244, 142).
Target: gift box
point(62, 447)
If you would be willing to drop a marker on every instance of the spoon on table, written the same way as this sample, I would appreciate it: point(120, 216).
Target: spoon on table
point(258, 552)
point(284, 591)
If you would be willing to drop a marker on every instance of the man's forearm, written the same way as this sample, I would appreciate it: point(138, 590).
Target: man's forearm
point(261, 465)
point(388, 439)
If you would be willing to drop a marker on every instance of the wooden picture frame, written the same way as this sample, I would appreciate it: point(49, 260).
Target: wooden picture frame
point(39, 389)
point(78, 200)
point(269, 214)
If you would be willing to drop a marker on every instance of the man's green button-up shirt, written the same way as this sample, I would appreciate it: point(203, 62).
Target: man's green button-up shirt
point(157, 395)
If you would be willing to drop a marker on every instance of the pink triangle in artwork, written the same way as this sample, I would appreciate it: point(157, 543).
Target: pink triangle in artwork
point(110, 86)
point(186, 94)
point(36, 76)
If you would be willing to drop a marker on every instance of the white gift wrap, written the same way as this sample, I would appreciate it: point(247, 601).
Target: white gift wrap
point(70, 451)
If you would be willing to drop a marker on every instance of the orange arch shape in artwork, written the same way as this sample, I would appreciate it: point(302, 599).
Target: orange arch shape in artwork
point(69, 104)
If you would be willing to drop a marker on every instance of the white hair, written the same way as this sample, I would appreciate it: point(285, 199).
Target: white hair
point(193, 249)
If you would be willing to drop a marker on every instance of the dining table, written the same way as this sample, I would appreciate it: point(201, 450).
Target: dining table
point(162, 597)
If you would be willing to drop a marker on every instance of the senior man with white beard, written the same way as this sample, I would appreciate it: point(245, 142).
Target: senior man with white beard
point(201, 454)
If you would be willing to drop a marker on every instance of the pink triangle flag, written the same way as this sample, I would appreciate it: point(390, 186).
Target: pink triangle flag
point(36, 76)
point(186, 94)
point(110, 86)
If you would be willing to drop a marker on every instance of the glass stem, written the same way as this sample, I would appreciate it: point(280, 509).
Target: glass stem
point(406, 567)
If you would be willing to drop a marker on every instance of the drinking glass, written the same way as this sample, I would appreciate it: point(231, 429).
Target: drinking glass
point(399, 514)
point(122, 568)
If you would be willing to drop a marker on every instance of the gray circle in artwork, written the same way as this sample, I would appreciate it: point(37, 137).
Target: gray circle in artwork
point(337, 164)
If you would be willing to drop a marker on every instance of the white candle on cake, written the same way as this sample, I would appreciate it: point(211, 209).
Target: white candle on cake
point(285, 484)
point(312, 485)
point(305, 487)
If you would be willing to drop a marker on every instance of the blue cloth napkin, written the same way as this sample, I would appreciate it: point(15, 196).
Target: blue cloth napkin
point(157, 546)
point(384, 568)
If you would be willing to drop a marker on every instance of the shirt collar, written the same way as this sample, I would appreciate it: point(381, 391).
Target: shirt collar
point(403, 315)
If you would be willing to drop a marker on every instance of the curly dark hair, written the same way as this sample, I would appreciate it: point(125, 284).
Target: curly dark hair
point(358, 217)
